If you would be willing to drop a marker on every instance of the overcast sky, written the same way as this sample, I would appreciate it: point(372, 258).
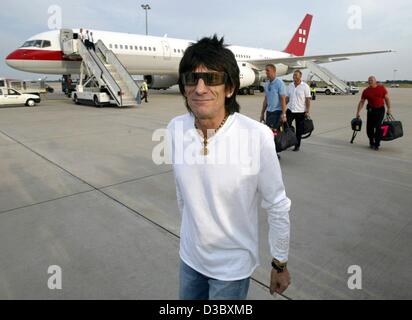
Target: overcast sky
point(269, 24)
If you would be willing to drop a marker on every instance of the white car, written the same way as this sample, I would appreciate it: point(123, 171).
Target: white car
point(11, 96)
point(326, 90)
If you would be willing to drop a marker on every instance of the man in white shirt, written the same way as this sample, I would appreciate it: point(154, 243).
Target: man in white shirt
point(298, 99)
point(82, 35)
point(218, 187)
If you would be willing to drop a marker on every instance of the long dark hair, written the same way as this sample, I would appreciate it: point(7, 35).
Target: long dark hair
point(213, 54)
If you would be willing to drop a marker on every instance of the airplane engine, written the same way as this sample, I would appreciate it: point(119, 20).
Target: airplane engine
point(248, 75)
point(161, 82)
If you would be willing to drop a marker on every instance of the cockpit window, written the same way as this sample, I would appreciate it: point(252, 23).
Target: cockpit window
point(32, 43)
point(45, 44)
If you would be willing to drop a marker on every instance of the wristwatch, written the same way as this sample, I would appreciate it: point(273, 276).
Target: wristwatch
point(279, 266)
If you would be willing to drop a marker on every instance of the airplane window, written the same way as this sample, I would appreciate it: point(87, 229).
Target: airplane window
point(126, 47)
point(26, 44)
point(115, 46)
point(32, 43)
point(121, 46)
point(135, 47)
point(150, 48)
point(2, 84)
point(154, 49)
point(110, 46)
point(145, 48)
point(45, 44)
point(1, 92)
point(131, 47)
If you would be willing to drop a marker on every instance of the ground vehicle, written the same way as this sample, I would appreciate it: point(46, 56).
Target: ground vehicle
point(92, 96)
point(326, 90)
point(11, 96)
point(352, 88)
point(31, 87)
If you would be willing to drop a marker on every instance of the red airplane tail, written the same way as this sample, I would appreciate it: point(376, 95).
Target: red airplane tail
point(298, 43)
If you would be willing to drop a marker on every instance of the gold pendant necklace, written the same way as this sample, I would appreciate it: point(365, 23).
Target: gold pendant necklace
point(205, 150)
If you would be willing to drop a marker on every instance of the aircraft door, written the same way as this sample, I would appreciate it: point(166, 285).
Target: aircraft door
point(66, 34)
point(66, 41)
point(166, 50)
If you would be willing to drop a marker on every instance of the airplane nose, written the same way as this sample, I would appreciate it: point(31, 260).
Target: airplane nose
point(15, 59)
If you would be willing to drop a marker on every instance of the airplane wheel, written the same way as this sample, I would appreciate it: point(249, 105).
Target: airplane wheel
point(327, 92)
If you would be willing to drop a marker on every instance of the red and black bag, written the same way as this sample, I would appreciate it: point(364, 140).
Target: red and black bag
point(285, 137)
point(391, 129)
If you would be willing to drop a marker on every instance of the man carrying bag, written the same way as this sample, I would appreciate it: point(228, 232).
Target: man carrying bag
point(377, 96)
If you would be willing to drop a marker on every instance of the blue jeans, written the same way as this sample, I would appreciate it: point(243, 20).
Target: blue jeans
point(196, 286)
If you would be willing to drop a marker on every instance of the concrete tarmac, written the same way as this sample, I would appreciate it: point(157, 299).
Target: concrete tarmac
point(79, 189)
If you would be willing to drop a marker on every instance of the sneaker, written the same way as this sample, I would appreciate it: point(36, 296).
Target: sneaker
point(296, 148)
point(278, 156)
point(376, 148)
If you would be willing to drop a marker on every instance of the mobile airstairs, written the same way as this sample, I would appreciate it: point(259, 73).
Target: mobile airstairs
point(103, 78)
point(328, 77)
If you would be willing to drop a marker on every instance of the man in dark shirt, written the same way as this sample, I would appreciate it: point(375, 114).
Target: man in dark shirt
point(377, 96)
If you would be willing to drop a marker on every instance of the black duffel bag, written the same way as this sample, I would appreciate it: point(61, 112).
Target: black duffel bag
point(285, 137)
point(391, 129)
point(308, 127)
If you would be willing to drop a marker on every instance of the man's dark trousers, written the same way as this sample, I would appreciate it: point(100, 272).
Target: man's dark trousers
point(273, 119)
point(373, 123)
point(299, 118)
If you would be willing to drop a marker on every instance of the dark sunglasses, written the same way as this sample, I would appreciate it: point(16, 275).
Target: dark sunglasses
point(209, 78)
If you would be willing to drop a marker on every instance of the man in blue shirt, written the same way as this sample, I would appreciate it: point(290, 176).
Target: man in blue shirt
point(275, 99)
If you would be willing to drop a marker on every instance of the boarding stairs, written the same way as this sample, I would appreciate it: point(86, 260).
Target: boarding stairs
point(328, 77)
point(108, 72)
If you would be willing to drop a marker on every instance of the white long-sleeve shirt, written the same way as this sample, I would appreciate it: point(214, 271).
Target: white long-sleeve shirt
point(218, 196)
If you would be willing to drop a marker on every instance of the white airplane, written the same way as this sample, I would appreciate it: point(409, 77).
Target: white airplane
point(158, 57)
